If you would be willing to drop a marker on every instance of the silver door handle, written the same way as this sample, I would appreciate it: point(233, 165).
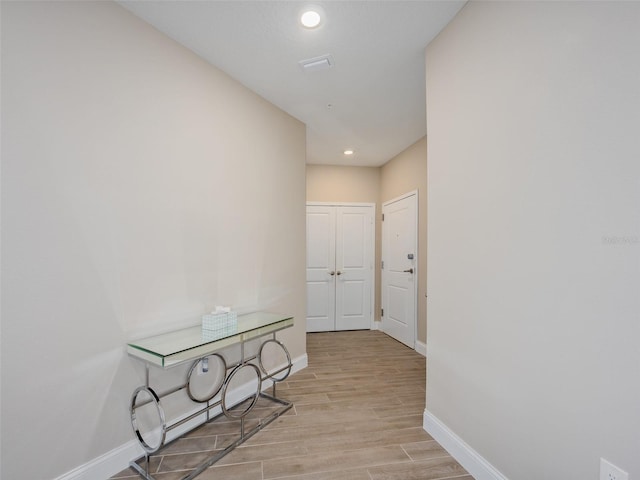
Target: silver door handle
point(408, 271)
point(332, 273)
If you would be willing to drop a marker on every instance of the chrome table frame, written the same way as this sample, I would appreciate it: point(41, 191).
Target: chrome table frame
point(154, 351)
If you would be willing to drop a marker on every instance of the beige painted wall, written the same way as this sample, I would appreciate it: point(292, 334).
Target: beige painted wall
point(534, 235)
point(404, 173)
point(329, 183)
point(140, 187)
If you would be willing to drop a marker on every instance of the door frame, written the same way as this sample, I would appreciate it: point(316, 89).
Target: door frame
point(372, 259)
point(404, 196)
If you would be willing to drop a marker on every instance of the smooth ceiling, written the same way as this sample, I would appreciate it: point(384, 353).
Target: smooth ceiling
point(371, 100)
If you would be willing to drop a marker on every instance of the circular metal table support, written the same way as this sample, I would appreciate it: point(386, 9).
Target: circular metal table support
point(222, 367)
point(134, 421)
point(286, 352)
point(256, 395)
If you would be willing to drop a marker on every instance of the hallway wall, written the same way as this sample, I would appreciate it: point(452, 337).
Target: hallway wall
point(140, 187)
point(534, 235)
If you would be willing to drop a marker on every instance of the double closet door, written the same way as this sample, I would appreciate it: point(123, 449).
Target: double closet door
point(340, 262)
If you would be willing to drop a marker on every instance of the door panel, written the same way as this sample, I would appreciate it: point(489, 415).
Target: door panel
point(396, 311)
point(320, 263)
point(353, 235)
point(399, 275)
point(354, 306)
point(319, 308)
point(353, 261)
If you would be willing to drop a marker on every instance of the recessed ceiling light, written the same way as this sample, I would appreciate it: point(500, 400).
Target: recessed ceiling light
point(348, 152)
point(310, 19)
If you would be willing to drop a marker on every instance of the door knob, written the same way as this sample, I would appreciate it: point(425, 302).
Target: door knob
point(332, 273)
point(408, 271)
point(339, 272)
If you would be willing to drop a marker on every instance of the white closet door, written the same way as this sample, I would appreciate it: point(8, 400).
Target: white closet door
point(321, 258)
point(353, 267)
point(339, 267)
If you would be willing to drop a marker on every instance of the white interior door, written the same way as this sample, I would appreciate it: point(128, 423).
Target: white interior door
point(399, 272)
point(339, 267)
point(321, 259)
point(354, 267)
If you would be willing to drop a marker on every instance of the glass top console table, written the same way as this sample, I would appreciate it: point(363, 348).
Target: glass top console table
point(223, 395)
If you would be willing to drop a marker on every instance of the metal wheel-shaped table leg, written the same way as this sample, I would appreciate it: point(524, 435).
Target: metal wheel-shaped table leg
point(162, 424)
point(217, 386)
point(285, 366)
point(254, 396)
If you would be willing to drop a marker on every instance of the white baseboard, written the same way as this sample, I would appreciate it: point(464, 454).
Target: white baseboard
point(118, 459)
point(471, 460)
point(106, 465)
point(421, 348)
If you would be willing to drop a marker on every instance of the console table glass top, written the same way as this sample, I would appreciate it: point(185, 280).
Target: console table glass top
point(191, 343)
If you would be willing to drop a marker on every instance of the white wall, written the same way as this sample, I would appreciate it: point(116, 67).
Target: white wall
point(533, 111)
point(140, 187)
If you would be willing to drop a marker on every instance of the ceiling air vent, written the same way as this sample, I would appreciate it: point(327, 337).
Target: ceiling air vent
point(323, 62)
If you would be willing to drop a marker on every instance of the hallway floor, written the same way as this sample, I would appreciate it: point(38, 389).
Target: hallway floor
point(357, 415)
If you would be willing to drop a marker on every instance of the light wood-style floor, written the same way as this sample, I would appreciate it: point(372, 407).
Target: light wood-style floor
point(357, 416)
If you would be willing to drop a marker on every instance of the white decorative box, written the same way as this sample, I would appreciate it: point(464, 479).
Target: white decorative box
point(219, 324)
point(213, 335)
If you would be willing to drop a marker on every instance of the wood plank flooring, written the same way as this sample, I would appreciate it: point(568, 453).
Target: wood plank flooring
point(357, 416)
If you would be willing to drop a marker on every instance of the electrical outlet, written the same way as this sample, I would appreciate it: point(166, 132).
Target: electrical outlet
point(609, 471)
